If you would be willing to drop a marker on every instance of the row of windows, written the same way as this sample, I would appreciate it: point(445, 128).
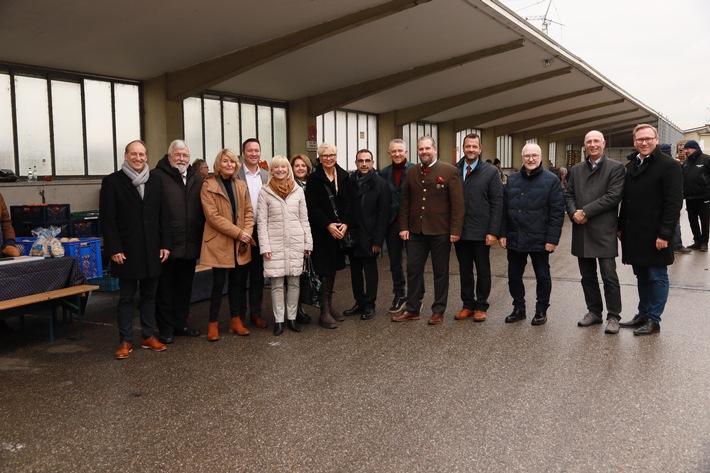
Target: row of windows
point(65, 125)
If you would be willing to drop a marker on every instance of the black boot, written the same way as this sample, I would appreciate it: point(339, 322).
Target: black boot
point(302, 317)
point(278, 328)
point(326, 320)
point(293, 326)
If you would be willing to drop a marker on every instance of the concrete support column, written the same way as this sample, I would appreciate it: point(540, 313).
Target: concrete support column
point(299, 120)
point(163, 119)
point(447, 142)
point(387, 130)
point(518, 143)
point(489, 144)
point(545, 148)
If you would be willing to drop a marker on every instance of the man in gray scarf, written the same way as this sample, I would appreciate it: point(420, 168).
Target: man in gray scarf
point(136, 227)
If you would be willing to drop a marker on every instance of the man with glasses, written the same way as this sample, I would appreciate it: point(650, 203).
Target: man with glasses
point(593, 194)
point(430, 220)
point(181, 190)
point(650, 208)
point(532, 224)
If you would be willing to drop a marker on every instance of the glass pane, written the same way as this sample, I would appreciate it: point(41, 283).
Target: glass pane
point(328, 134)
point(248, 117)
point(372, 138)
point(99, 127)
point(265, 132)
point(232, 138)
point(280, 132)
point(192, 119)
point(213, 127)
point(128, 117)
point(341, 138)
point(33, 124)
point(353, 140)
point(7, 147)
point(68, 132)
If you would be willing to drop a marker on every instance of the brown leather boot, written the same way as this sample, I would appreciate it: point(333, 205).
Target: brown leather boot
point(326, 320)
point(236, 326)
point(212, 331)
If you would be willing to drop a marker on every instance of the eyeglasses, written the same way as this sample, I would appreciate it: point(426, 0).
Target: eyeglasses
point(181, 155)
point(531, 157)
point(645, 140)
point(327, 156)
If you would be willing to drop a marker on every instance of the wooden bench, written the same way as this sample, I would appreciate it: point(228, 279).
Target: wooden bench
point(72, 299)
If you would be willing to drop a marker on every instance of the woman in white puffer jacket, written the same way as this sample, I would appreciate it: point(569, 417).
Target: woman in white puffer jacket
point(284, 239)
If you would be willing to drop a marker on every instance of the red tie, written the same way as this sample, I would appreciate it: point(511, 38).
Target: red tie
point(468, 171)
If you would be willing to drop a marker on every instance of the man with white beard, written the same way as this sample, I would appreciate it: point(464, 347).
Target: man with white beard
point(181, 189)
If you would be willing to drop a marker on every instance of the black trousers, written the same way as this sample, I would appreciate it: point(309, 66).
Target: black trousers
point(395, 247)
point(172, 305)
point(146, 307)
point(219, 276)
point(516, 268)
point(363, 272)
point(699, 218)
point(254, 278)
point(469, 253)
point(419, 246)
point(590, 286)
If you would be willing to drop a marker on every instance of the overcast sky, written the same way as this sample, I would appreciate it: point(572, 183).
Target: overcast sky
point(658, 51)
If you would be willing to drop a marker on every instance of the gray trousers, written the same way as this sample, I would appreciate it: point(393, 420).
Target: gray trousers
point(590, 285)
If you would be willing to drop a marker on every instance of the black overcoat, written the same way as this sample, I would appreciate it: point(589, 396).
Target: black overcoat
point(650, 208)
point(136, 227)
point(327, 257)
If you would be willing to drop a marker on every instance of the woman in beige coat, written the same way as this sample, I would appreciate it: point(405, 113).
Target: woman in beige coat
point(284, 239)
point(226, 241)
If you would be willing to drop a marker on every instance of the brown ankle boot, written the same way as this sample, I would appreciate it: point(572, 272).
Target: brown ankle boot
point(326, 320)
point(236, 326)
point(212, 331)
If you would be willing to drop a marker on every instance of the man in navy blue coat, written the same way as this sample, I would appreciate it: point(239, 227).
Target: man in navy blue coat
point(532, 224)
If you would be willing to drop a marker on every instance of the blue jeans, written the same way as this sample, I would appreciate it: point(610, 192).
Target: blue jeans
point(653, 287)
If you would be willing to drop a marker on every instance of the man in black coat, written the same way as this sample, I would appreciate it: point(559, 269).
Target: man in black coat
point(483, 199)
point(181, 190)
point(649, 211)
point(136, 228)
point(370, 207)
point(696, 189)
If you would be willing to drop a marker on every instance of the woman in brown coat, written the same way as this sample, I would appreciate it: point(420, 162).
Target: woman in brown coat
point(226, 241)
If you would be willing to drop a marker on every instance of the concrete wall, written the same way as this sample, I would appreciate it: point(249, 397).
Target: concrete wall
point(81, 195)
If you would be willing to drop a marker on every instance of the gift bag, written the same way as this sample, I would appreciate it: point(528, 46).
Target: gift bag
point(310, 285)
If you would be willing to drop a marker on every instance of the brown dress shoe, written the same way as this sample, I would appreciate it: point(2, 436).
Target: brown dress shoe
point(153, 343)
point(213, 331)
point(124, 350)
point(436, 318)
point(256, 321)
point(405, 317)
point(463, 314)
point(479, 316)
point(236, 326)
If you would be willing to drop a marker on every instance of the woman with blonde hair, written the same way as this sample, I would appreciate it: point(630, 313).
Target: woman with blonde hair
point(284, 239)
point(226, 241)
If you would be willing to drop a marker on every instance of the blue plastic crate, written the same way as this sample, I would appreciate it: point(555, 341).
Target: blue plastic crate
point(87, 251)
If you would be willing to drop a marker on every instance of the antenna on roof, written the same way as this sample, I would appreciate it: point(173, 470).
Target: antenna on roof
point(545, 20)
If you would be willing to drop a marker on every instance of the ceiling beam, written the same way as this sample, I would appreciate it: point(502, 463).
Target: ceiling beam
point(475, 121)
point(194, 79)
point(417, 112)
point(527, 123)
point(331, 100)
point(570, 133)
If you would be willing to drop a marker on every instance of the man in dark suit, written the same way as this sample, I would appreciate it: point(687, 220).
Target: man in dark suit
point(181, 186)
point(254, 177)
point(650, 208)
point(136, 228)
point(593, 194)
point(430, 219)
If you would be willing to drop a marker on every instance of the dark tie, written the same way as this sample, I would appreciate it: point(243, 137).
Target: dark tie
point(468, 171)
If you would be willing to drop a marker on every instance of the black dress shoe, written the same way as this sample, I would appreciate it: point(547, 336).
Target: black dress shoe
point(398, 304)
point(166, 340)
point(357, 309)
point(186, 331)
point(636, 322)
point(368, 314)
point(293, 326)
point(515, 316)
point(649, 326)
point(539, 319)
point(302, 317)
point(278, 328)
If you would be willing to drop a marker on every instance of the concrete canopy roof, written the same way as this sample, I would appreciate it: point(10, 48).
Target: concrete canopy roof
point(473, 62)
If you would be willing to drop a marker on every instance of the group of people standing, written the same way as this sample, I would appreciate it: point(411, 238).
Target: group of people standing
point(248, 223)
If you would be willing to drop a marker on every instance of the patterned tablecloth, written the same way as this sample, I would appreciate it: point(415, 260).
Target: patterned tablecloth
point(29, 276)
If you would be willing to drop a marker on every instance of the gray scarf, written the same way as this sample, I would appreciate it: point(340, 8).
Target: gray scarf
point(137, 179)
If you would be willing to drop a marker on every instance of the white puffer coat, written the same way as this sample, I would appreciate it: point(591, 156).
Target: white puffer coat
point(284, 231)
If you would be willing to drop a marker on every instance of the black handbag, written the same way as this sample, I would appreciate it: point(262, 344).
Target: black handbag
point(310, 292)
point(347, 243)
